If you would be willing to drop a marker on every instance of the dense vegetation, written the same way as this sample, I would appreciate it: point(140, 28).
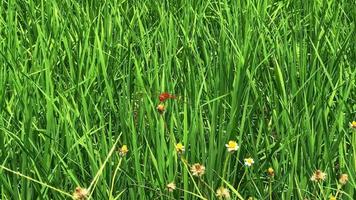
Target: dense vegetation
point(80, 79)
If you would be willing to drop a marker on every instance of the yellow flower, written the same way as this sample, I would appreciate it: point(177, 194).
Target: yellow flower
point(197, 169)
point(318, 175)
point(270, 171)
point(180, 148)
point(353, 124)
point(249, 162)
point(161, 108)
point(332, 197)
point(232, 146)
point(123, 150)
point(80, 193)
point(171, 186)
point(223, 193)
point(344, 178)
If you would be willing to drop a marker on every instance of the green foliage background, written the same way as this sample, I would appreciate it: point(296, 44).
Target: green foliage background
point(276, 76)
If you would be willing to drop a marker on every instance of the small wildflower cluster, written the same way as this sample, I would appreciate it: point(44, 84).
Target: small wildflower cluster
point(270, 172)
point(123, 150)
point(344, 178)
point(232, 146)
point(197, 169)
point(171, 186)
point(332, 197)
point(180, 148)
point(318, 176)
point(161, 108)
point(353, 125)
point(249, 162)
point(80, 193)
point(223, 193)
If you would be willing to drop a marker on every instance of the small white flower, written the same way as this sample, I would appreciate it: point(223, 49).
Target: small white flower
point(232, 146)
point(249, 162)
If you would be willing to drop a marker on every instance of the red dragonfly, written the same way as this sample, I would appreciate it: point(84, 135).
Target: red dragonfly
point(165, 95)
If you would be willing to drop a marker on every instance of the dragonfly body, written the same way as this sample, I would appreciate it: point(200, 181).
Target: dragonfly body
point(165, 95)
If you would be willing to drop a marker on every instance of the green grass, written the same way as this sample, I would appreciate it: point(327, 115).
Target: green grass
point(78, 77)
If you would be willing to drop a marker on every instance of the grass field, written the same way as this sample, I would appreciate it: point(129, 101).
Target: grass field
point(81, 79)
